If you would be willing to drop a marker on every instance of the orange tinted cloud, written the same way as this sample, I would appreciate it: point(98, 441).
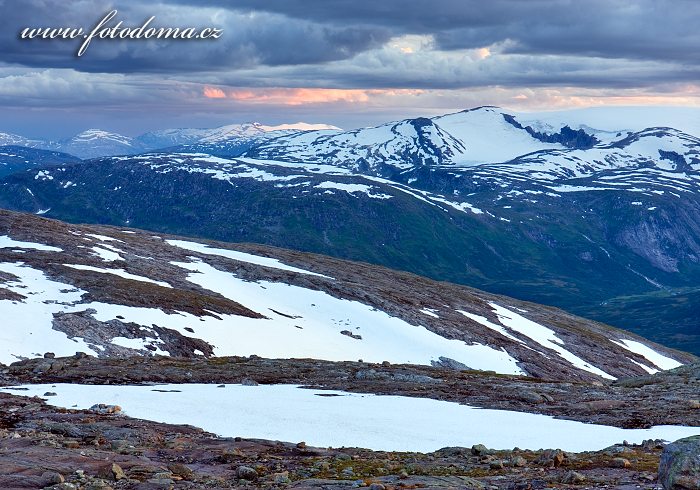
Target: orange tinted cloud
point(303, 96)
point(214, 93)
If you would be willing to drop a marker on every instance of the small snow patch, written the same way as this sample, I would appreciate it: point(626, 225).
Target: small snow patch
point(118, 272)
point(7, 242)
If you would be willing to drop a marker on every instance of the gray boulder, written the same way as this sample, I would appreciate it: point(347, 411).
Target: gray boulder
point(680, 465)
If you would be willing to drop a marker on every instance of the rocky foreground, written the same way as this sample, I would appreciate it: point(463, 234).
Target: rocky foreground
point(47, 447)
point(42, 447)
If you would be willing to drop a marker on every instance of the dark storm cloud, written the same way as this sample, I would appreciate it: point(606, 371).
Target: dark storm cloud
point(263, 38)
point(639, 29)
point(494, 48)
point(292, 32)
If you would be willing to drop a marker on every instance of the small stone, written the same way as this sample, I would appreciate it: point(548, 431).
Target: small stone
point(111, 472)
point(680, 464)
point(119, 445)
point(106, 409)
point(348, 472)
point(163, 475)
point(301, 445)
point(518, 461)
point(52, 478)
point(246, 473)
point(50, 393)
point(343, 457)
point(377, 486)
point(620, 463)
point(281, 478)
point(551, 457)
point(521, 485)
point(496, 465)
point(249, 382)
point(42, 367)
point(117, 472)
point(453, 451)
point(97, 485)
point(480, 450)
point(160, 483)
point(49, 355)
point(573, 477)
point(181, 470)
point(529, 396)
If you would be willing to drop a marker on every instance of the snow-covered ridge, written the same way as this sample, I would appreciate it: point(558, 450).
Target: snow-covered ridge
point(98, 134)
point(222, 134)
point(462, 139)
point(14, 139)
point(300, 126)
point(94, 142)
point(488, 140)
point(239, 302)
point(401, 144)
point(303, 178)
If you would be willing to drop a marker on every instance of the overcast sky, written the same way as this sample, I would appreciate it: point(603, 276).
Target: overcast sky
point(344, 62)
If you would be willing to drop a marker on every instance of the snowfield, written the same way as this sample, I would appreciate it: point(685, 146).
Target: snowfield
point(7, 242)
point(298, 323)
point(26, 330)
point(300, 314)
point(240, 256)
point(307, 323)
point(336, 418)
point(293, 322)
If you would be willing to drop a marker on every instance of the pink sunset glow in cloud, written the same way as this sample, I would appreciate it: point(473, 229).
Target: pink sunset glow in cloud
point(304, 96)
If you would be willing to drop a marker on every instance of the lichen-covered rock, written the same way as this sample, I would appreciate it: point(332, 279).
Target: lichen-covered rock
point(680, 465)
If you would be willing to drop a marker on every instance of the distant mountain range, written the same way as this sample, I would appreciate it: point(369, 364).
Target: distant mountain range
point(94, 143)
point(603, 222)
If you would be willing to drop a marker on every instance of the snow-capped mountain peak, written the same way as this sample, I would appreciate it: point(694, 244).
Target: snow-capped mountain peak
point(397, 145)
point(235, 134)
point(14, 139)
point(300, 126)
point(489, 136)
point(229, 131)
point(99, 134)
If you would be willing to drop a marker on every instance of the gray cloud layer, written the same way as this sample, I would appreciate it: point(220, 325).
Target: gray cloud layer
point(639, 29)
point(297, 32)
point(511, 46)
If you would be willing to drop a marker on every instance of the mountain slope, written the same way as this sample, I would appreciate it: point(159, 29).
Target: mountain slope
point(17, 158)
point(485, 134)
point(166, 138)
point(96, 142)
point(9, 139)
point(229, 140)
point(378, 151)
point(115, 292)
point(587, 217)
point(502, 232)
